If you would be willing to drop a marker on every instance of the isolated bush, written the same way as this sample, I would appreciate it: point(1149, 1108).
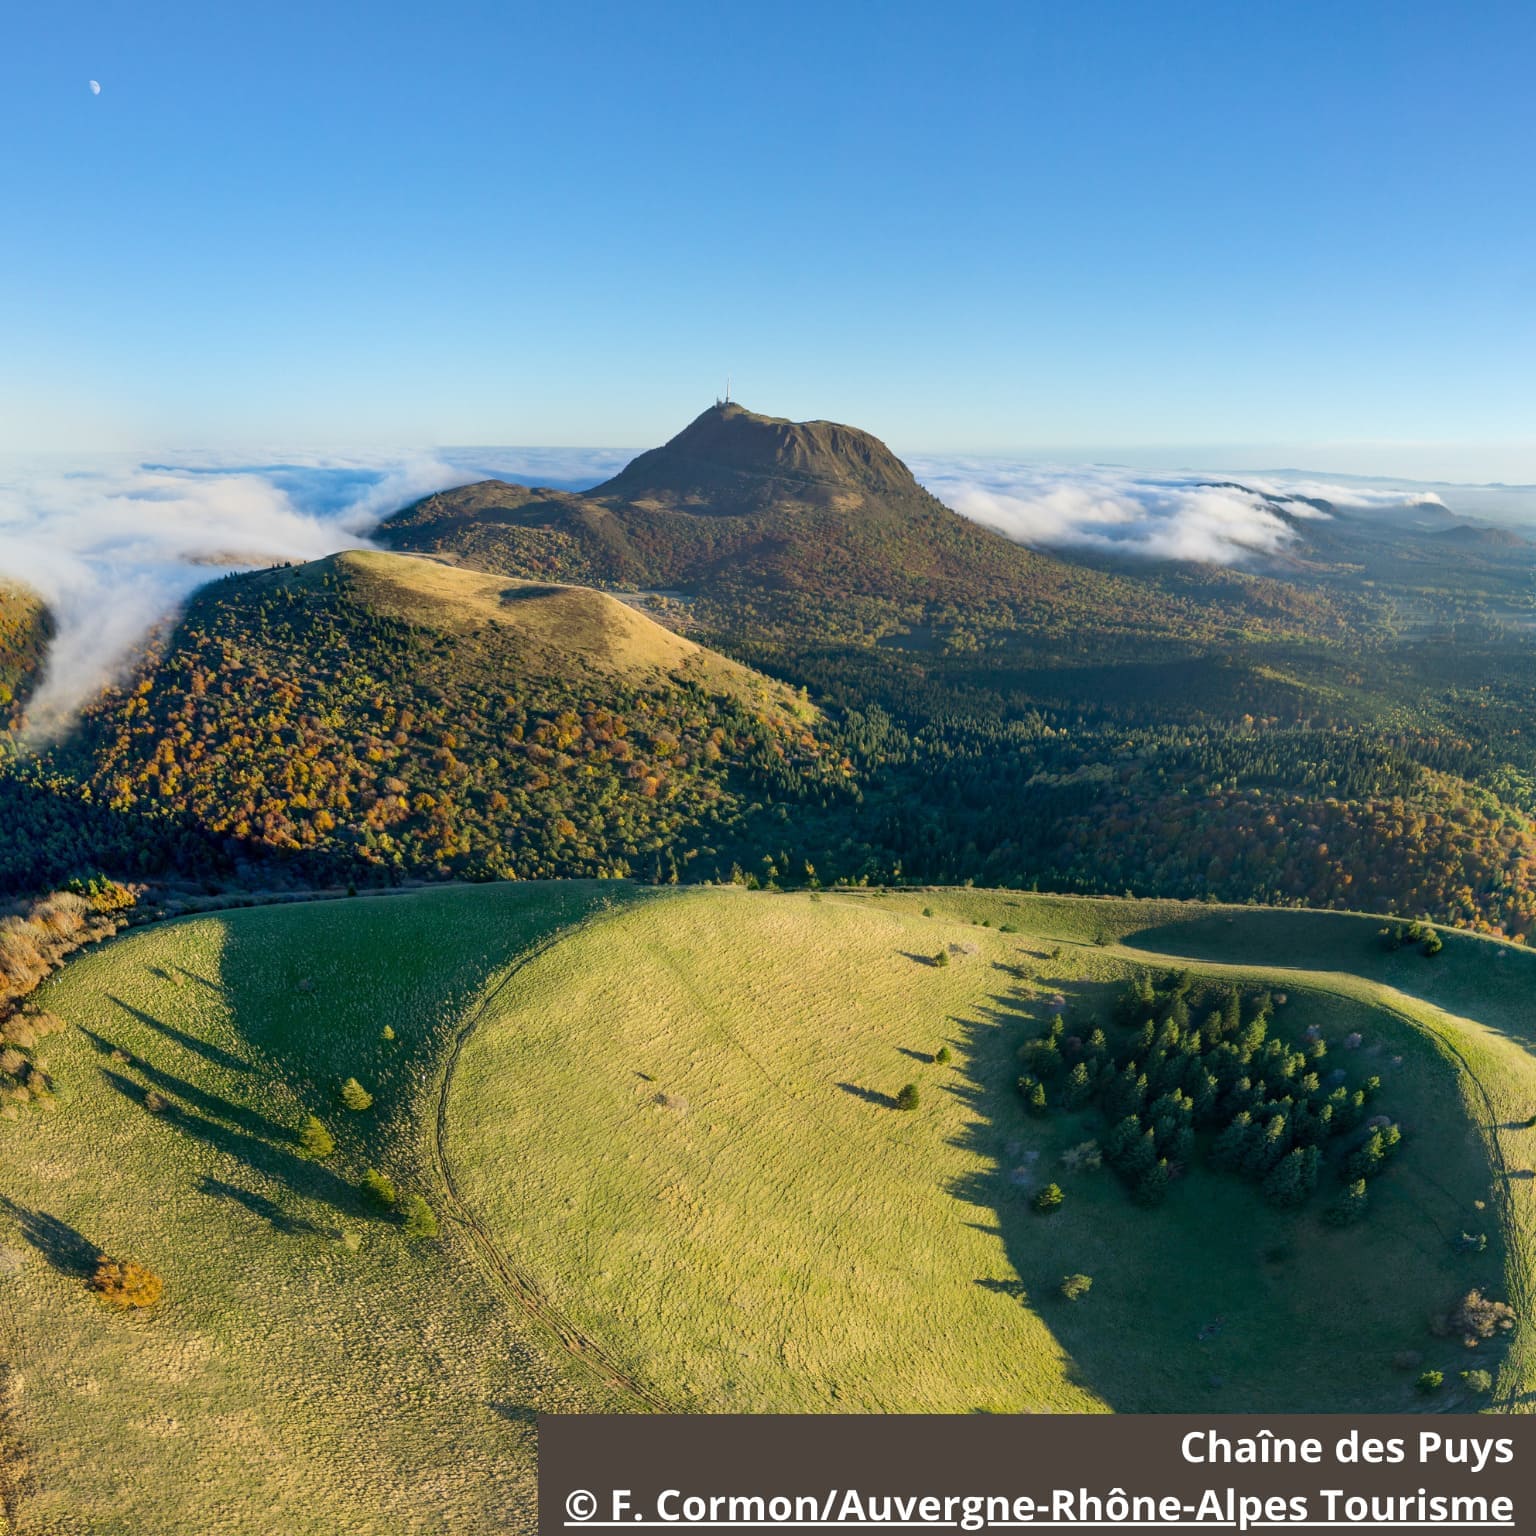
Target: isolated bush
point(379, 1188)
point(1477, 1381)
point(1432, 945)
point(907, 1098)
point(1049, 1199)
point(122, 1283)
point(1471, 1242)
point(156, 1103)
point(1430, 1381)
point(417, 1217)
point(1478, 1317)
point(355, 1096)
point(941, 1056)
point(942, 958)
point(387, 1033)
point(315, 1140)
point(1075, 1287)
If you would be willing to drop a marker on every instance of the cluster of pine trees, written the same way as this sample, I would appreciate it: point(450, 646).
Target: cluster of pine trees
point(1172, 1087)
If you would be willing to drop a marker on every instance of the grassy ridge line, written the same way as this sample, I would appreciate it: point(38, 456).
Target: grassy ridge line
point(837, 1227)
point(504, 1273)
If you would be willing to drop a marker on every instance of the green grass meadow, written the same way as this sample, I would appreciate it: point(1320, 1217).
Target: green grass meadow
point(669, 1173)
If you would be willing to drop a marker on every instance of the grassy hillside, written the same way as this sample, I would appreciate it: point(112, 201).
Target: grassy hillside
point(667, 1173)
point(309, 1368)
point(684, 1119)
point(550, 630)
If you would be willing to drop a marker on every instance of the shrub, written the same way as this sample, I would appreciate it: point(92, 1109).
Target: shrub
point(941, 1056)
point(1430, 1381)
point(417, 1217)
point(942, 958)
point(379, 1188)
point(1477, 1381)
point(1478, 1317)
point(122, 1283)
point(1049, 1199)
point(1471, 1242)
point(156, 1103)
point(1432, 944)
point(315, 1140)
point(1075, 1287)
point(355, 1096)
point(907, 1098)
point(387, 1033)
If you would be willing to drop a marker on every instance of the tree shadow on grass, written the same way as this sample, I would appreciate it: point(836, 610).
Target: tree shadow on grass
point(258, 1205)
point(216, 1054)
point(65, 1249)
point(303, 1177)
point(1187, 1292)
point(251, 1121)
point(869, 1095)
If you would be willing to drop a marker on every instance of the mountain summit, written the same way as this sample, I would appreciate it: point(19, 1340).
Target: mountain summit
point(730, 454)
point(760, 525)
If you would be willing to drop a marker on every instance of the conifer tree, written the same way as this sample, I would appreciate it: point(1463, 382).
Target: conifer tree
point(315, 1141)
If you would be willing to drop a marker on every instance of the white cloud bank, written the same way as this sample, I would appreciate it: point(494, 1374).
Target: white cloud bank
point(115, 546)
point(1127, 512)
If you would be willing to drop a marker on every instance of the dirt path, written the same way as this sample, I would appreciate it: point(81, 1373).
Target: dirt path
point(506, 1275)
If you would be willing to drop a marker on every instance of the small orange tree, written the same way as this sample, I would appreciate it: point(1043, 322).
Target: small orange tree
point(124, 1283)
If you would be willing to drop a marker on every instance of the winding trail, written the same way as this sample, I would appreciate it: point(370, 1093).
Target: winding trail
point(517, 1284)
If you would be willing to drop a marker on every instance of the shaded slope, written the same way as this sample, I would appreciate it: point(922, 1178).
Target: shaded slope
point(310, 1368)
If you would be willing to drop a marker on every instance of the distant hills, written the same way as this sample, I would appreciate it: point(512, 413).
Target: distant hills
point(762, 651)
point(784, 528)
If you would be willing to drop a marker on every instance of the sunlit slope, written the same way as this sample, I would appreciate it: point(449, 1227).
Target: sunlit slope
point(309, 1369)
point(682, 1122)
point(675, 1178)
point(544, 629)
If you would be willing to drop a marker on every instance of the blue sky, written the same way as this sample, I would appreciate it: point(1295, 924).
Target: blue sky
point(1235, 234)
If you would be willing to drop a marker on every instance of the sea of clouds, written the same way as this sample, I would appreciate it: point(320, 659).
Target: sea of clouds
point(115, 545)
